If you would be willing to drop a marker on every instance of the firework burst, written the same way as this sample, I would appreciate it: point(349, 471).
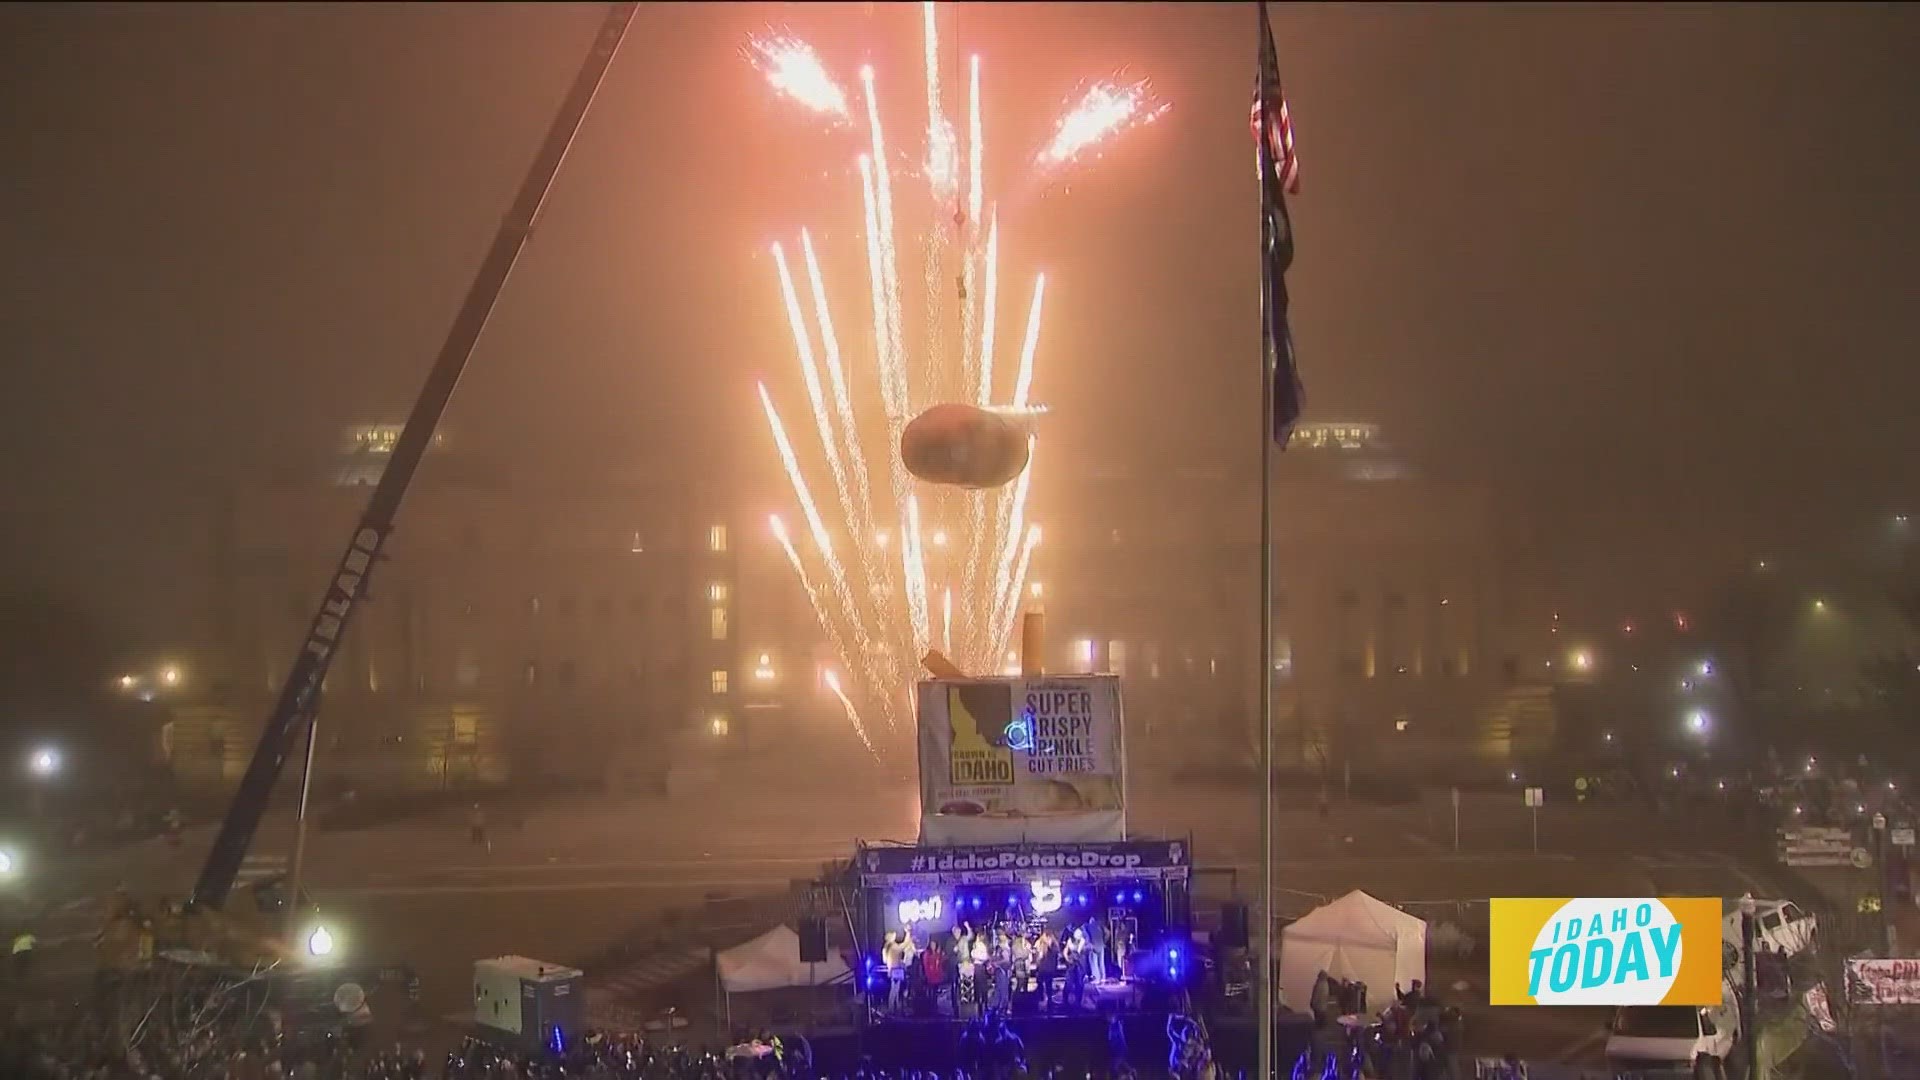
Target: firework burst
point(1105, 110)
point(793, 69)
point(895, 568)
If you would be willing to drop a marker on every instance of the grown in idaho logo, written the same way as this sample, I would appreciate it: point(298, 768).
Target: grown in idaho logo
point(1605, 951)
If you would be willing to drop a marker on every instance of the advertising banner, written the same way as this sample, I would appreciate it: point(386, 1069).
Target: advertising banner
point(1018, 749)
point(1605, 951)
point(1884, 982)
point(1002, 864)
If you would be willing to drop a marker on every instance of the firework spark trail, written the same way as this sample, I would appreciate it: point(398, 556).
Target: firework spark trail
point(1023, 379)
point(982, 393)
point(1106, 110)
point(913, 562)
point(1010, 605)
point(940, 140)
point(861, 514)
point(834, 631)
point(877, 275)
point(893, 360)
point(942, 180)
point(854, 631)
point(793, 69)
point(976, 142)
point(946, 620)
point(1012, 504)
point(812, 589)
point(810, 369)
point(990, 303)
point(836, 571)
point(970, 259)
point(853, 715)
point(889, 350)
point(1012, 518)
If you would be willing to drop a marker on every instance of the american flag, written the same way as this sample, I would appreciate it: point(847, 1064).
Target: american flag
point(1280, 138)
point(1279, 176)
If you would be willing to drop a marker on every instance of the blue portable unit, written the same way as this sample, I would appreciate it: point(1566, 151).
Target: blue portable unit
point(528, 1003)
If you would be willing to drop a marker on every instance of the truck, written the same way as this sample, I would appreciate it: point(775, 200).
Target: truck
point(1674, 1042)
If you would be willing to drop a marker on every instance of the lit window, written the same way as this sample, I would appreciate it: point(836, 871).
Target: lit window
point(719, 681)
point(1083, 653)
point(1036, 590)
point(532, 673)
point(717, 538)
point(634, 545)
point(717, 623)
point(533, 605)
point(466, 729)
point(717, 592)
point(719, 725)
point(1117, 657)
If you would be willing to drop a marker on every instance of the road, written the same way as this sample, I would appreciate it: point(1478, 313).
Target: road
point(564, 884)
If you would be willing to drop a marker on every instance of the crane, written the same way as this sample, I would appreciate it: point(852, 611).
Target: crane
point(294, 710)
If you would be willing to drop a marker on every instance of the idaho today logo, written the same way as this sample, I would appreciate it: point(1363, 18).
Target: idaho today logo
point(1605, 951)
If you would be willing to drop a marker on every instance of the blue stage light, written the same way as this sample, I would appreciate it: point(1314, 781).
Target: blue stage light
point(1138, 896)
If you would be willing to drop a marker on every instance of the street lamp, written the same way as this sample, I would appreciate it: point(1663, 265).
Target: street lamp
point(1697, 721)
point(170, 675)
point(45, 762)
point(1750, 980)
point(320, 942)
point(6, 863)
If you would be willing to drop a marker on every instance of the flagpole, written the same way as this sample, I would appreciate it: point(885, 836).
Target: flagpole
point(1263, 998)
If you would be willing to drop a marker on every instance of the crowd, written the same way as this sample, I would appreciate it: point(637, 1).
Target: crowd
point(989, 1050)
point(1414, 1038)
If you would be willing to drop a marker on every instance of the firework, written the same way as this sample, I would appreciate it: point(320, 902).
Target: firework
point(794, 69)
point(1103, 112)
point(894, 570)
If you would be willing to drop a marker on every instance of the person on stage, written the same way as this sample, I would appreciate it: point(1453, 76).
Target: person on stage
point(1097, 950)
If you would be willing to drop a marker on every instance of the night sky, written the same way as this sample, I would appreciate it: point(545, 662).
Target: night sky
point(1640, 270)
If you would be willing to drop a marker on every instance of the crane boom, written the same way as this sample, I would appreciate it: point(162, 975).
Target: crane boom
point(298, 700)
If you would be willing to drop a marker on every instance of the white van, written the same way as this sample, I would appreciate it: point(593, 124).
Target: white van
point(1674, 1040)
point(1781, 924)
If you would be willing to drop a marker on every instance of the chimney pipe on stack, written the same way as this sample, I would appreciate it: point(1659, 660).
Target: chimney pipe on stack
point(1033, 643)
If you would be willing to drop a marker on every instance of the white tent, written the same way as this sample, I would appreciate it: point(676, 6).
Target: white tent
point(772, 961)
point(1358, 938)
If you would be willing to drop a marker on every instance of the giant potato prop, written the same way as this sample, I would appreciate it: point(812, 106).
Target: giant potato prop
point(964, 446)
